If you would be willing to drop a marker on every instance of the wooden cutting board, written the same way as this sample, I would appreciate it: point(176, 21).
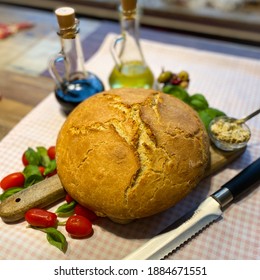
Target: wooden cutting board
point(50, 190)
point(219, 159)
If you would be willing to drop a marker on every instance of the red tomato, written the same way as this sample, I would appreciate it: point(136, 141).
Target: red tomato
point(24, 160)
point(13, 180)
point(51, 152)
point(41, 218)
point(83, 211)
point(78, 226)
point(41, 169)
point(68, 198)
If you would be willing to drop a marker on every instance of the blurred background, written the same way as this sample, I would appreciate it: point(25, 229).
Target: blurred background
point(233, 20)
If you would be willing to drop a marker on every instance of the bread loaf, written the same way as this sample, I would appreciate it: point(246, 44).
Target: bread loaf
point(131, 153)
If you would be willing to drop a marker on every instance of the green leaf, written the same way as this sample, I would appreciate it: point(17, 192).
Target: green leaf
point(178, 92)
point(214, 113)
point(55, 238)
point(9, 192)
point(32, 157)
point(32, 175)
point(209, 114)
point(50, 167)
point(33, 179)
point(66, 209)
point(38, 157)
point(198, 102)
point(30, 170)
point(205, 118)
point(43, 154)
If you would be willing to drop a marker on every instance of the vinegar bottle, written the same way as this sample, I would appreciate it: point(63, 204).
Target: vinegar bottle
point(73, 83)
point(130, 68)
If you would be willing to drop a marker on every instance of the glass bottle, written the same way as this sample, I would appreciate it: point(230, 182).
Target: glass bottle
point(130, 68)
point(73, 83)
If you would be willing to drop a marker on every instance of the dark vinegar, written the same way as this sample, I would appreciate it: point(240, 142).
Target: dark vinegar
point(73, 93)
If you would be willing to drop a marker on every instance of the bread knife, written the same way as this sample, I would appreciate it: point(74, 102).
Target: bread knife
point(160, 246)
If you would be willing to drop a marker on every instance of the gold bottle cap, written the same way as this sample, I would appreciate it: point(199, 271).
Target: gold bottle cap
point(128, 5)
point(66, 17)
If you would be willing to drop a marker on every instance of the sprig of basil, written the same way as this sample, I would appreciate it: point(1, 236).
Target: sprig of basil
point(38, 157)
point(31, 172)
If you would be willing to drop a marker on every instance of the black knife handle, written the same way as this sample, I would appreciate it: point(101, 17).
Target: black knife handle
point(245, 179)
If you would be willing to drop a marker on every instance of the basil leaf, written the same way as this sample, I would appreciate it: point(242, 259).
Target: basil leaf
point(33, 179)
point(209, 114)
point(43, 154)
point(66, 209)
point(50, 167)
point(54, 237)
point(9, 192)
point(30, 170)
point(214, 112)
point(32, 175)
point(199, 102)
point(32, 156)
point(205, 118)
point(178, 92)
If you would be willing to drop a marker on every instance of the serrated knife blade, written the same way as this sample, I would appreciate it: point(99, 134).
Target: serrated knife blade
point(196, 220)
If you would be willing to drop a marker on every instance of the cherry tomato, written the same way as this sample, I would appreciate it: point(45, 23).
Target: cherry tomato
point(24, 160)
point(78, 226)
point(41, 169)
point(83, 211)
point(41, 218)
point(51, 152)
point(68, 198)
point(13, 180)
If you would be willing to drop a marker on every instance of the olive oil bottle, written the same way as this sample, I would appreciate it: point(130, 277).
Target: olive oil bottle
point(131, 74)
point(130, 68)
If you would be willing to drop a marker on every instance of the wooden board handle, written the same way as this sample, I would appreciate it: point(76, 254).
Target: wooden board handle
point(39, 195)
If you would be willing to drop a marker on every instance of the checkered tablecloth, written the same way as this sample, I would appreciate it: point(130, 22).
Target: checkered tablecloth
point(229, 83)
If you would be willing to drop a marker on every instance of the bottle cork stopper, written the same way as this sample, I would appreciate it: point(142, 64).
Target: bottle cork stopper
point(65, 17)
point(128, 5)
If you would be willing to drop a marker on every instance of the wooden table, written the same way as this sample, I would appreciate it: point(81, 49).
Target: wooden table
point(19, 95)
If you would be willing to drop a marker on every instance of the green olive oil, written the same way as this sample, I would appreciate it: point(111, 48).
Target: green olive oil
point(132, 74)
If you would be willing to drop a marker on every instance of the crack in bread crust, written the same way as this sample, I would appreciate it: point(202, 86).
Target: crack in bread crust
point(144, 139)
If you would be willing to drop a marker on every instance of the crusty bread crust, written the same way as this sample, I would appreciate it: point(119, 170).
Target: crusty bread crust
point(131, 153)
